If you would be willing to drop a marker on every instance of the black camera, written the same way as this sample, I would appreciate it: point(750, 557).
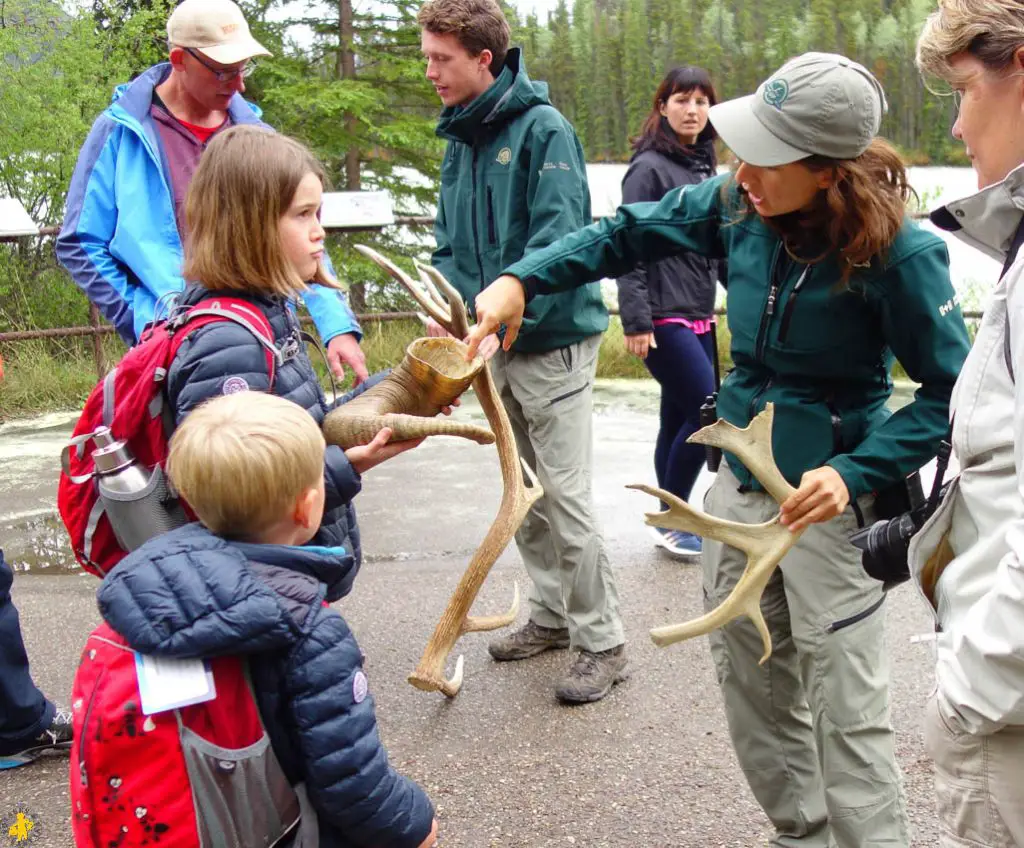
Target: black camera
point(886, 542)
point(903, 510)
point(708, 416)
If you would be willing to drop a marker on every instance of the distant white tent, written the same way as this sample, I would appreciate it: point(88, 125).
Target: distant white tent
point(15, 221)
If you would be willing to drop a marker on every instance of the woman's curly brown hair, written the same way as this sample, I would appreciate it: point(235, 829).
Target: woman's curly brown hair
point(857, 216)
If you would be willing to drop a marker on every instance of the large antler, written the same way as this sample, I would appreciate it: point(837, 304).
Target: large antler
point(764, 544)
point(516, 499)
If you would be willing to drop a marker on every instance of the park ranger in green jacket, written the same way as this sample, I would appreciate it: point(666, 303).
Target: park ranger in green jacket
point(827, 281)
point(512, 182)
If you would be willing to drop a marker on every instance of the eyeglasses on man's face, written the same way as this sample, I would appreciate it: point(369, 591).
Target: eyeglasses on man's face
point(223, 74)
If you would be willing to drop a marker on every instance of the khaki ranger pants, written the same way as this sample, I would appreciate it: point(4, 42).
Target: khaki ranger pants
point(549, 399)
point(811, 726)
point(979, 781)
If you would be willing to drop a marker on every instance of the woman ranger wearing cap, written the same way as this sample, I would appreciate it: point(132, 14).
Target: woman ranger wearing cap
point(828, 279)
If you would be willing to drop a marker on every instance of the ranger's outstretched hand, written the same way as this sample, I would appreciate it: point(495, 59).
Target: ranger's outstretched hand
point(502, 302)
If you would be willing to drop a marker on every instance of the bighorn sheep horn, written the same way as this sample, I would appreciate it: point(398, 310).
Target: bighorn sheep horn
point(764, 544)
point(516, 500)
point(433, 373)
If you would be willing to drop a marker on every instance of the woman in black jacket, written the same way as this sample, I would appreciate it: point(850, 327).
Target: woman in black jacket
point(667, 307)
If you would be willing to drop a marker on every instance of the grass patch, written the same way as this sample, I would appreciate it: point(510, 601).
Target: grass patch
point(44, 375)
point(615, 361)
point(55, 374)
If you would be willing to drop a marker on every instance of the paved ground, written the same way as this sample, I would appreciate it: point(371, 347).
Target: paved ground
point(651, 766)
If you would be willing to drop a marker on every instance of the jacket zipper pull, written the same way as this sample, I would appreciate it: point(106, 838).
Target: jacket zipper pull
point(772, 294)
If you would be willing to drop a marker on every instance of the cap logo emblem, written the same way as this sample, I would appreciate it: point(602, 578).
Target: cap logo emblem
point(227, 29)
point(776, 93)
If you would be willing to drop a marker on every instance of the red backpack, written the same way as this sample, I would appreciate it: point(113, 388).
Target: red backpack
point(200, 776)
point(130, 401)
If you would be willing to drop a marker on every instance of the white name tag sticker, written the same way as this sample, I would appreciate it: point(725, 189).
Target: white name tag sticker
point(167, 683)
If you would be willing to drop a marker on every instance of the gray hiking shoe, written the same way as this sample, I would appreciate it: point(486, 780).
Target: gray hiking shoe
point(528, 641)
point(592, 676)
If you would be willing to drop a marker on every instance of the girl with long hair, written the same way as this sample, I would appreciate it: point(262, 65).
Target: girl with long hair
point(667, 307)
point(829, 281)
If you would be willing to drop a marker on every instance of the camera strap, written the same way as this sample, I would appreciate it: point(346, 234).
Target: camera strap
point(1011, 256)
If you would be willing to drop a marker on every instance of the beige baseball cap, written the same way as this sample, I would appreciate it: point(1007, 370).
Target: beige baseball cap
point(216, 28)
point(819, 104)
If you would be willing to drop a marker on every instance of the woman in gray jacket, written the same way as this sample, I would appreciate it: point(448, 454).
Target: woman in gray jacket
point(969, 557)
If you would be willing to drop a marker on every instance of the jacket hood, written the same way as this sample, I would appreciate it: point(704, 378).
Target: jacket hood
point(987, 220)
point(191, 593)
point(511, 94)
point(135, 97)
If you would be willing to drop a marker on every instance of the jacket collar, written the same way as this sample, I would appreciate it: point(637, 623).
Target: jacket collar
point(986, 220)
point(136, 98)
point(511, 93)
point(331, 566)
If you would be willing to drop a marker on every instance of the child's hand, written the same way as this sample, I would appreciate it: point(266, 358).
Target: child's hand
point(431, 839)
point(365, 457)
point(447, 410)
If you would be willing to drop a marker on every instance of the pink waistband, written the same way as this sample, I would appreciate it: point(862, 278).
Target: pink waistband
point(698, 325)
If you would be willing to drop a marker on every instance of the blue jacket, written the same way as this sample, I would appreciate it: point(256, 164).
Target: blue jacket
point(189, 593)
point(120, 240)
point(225, 356)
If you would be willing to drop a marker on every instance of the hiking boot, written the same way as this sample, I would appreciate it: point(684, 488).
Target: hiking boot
point(528, 641)
point(592, 676)
point(682, 545)
point(57, 737)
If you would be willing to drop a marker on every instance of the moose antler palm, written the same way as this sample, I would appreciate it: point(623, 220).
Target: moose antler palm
point(517, 498)
point(764, 544)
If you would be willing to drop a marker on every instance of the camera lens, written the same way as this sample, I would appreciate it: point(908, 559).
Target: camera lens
point(885, 545)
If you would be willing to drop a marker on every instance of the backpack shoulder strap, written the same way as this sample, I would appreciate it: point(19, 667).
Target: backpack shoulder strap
point(238, 311)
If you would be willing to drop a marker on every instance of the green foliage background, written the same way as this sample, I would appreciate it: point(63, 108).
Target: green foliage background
point(602, 60)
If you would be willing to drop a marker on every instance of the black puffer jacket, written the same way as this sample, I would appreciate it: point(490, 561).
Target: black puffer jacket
point(189, 593)
point(218, 353)
point(682, 286)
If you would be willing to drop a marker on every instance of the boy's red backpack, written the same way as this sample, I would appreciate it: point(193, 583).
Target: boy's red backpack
point(130, 402)
point(200, 776)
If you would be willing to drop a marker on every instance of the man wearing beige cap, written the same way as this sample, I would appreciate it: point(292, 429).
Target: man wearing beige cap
point(124, 221)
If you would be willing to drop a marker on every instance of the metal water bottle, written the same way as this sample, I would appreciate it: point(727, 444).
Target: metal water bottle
point(138, 501)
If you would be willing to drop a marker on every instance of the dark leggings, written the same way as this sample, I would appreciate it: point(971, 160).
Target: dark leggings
point(681, 363)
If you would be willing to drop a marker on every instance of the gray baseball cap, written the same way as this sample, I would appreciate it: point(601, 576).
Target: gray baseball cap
point(816, 104)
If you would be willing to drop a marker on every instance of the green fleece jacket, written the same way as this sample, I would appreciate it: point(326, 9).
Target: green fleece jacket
point(513, 181)
point(820, 351)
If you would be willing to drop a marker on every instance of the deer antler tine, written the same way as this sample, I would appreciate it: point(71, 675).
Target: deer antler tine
point(460, 317)
point(440, 684)
point(481, 623)
point(412, 286)
point(681, 516)
point(753, 445)
point(720, 616)
point(531, 476)
point(428, 285)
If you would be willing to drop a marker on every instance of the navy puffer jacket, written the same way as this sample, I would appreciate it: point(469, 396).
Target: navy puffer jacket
point(227, 356)
point(189, 593)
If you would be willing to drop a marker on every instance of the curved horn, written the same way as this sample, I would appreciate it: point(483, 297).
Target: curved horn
point(432, 374)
